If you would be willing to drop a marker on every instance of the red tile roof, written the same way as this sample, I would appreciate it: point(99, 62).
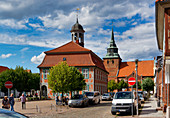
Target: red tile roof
point(3, 68)
point(68, 47)
point(145, 68)
point(74, 54)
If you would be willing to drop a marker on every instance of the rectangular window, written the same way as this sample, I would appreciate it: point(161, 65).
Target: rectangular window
point(45, 73)
point(85, 72)
point(87, 87)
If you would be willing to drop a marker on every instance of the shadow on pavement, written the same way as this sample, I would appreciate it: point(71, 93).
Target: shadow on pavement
point(148, 111)
point(97, 105)
point(146, 106)
point(147, 102)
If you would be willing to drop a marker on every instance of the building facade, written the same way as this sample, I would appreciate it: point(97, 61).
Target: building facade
point(163, 40)
point(119, 70)
point(74, 53)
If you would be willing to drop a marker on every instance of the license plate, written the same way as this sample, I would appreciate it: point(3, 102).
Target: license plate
point(122, 110)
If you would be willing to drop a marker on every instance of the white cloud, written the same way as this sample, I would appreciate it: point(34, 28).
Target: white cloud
point(35, 25)
point(12, 23)
point(104, 32)
point(38, 59)
point(24, 49)
point(4, 56)
point(134, 23)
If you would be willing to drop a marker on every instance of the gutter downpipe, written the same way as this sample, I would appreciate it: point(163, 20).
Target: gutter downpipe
point(163, 51)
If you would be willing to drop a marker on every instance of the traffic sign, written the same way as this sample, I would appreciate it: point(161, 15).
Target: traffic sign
point(8, 84)
point(132, 81)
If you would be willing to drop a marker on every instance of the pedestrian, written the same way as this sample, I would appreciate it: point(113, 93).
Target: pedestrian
point(23, 101)
point(11, 101)
point(56, 98)
point(5, 102)
point(67, 98)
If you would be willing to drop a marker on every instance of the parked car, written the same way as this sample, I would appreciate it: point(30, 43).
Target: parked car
point(123, 102)
point(78, 100)
point(94, 97)
point(145, 94)
point(112, 94)
point(10, 114)
point(141, 96)
point(106, 96)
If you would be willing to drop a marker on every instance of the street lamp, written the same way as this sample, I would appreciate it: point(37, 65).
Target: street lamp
point(136, 64)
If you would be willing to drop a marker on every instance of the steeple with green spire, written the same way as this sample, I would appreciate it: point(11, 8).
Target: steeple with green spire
point(112, 50)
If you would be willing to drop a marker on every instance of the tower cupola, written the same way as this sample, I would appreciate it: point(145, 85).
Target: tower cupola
point(77, 33)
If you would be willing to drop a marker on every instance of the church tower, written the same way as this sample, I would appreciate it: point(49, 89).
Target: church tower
point(77, 33)
point(112, 59)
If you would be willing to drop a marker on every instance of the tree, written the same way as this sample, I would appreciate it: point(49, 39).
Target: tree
point(139, 85)
point(122, 84)
point(112, 85)
point(34, 82)
point(63, 78)
point(148, 84)
point(21, 79)
point(77, 81)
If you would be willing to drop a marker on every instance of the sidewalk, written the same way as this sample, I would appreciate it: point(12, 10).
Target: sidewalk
point(42, 108)
point(149, 109)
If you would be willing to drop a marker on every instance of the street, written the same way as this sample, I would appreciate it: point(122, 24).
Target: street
point(47, 109)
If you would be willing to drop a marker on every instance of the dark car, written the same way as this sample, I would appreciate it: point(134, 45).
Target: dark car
point(10, 114)
point(78, 100)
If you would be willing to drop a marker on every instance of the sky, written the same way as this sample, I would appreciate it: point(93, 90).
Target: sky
point(30, 27)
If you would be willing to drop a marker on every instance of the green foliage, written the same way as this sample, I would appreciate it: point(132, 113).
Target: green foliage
point(112, 85)
point(21, 79)
point(63, 78)
point(122, 84)
point(139, 85)
point(147, 84)
point(34, 81)
point(76, 80)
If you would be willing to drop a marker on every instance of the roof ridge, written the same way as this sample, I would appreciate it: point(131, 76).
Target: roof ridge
point(63, 47)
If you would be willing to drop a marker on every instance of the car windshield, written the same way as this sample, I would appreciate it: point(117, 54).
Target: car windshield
point(105, 94)
point(123, 95)
point(89, 93)
point(77, 97)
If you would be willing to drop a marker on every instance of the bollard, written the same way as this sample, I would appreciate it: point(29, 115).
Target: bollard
point(37, 108)
point(168, 112)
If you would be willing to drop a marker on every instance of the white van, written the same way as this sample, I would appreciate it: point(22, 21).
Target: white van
point(123, 102)
point(94, 97)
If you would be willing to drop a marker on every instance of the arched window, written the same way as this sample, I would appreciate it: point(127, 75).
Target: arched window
point(107, 61)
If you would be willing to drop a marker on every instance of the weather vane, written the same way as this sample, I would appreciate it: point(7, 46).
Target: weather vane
point(77, 12)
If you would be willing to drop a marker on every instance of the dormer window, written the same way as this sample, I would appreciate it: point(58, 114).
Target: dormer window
point(64, 59)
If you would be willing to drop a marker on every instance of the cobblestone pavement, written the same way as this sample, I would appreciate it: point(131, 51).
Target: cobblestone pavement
point(47, 109)
point(149, 109)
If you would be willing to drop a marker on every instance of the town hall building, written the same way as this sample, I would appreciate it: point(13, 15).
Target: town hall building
point(74, 53)
point(97, 72)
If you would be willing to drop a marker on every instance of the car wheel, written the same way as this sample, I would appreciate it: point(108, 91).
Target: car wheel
point(82, 104)
point(87, 104)
point(113, 113)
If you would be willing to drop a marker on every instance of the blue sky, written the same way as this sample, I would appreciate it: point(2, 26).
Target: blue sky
point(30, 27)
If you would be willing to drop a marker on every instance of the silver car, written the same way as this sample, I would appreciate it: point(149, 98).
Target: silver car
point(106, 96)
point(78, 100)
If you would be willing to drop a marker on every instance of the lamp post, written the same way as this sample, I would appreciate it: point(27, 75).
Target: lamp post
point(136, 64)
